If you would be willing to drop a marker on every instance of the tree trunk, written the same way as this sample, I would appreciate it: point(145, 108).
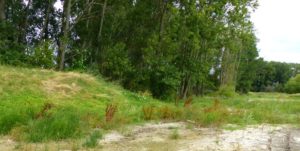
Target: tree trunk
point(44, 33)
point(2, 10)
point(65, 33)
point(161, 19)
point(97, 54)
point(102, 20)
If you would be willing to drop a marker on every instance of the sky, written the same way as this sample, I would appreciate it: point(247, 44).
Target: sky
point(277, 24)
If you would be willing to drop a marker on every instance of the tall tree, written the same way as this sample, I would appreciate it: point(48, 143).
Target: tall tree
point(2, 10)
point(64, 39)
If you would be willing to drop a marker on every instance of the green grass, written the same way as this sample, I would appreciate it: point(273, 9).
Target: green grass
point(92, 140)
point(79, 101)
point(42, 105)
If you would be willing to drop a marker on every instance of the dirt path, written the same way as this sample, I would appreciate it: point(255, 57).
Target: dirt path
point(158, 137)
point(183, 137)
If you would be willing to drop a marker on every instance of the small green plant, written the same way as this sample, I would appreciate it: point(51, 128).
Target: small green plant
point(92, 140)
point(174, 135)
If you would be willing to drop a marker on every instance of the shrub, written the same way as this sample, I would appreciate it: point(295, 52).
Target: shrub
point(43, 56)
point(226, 91)
point(293, 85)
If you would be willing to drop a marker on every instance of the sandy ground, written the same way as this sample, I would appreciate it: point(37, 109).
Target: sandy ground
point(161, 137)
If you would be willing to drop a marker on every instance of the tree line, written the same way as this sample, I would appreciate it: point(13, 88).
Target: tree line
point(167, 47)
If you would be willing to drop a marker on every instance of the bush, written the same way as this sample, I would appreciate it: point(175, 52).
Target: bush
point(42, 55)
point(226, 91)
point(293, 85)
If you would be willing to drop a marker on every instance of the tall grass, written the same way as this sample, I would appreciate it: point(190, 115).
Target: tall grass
point(65, 123)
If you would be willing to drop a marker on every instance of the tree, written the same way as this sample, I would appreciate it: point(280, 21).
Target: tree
point(2, 10)
point(64, 39)
point(293, 85)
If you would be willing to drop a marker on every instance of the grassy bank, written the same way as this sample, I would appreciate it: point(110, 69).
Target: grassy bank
point(42, 105)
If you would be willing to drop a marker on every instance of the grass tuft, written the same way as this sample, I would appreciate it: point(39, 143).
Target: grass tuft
point(92, 140)
point(65, 123)
point(174, 135)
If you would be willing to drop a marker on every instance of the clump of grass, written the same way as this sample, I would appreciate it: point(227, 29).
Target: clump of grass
point(174, 135)
point(167, 113)
point(64, 123)
point(92, 140)
point(110, 111)
point(188, 102)
point(14, 117)
point(46, 107)
point(148, 112)
point(213, 115)
point(17, 133)
point(9, 120)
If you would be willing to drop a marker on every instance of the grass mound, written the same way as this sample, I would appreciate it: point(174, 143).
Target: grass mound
point(40, 105)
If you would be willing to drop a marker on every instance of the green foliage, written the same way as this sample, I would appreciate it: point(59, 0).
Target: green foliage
point(226, 91)
point(11, 52)
point(65, 123)
point(11, 116)
point(293, 85)
point(115, 63)
point(42, 56)
point(10, 120)
point(272, 76)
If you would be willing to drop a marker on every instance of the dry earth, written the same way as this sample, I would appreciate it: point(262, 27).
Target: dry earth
point(160, 137)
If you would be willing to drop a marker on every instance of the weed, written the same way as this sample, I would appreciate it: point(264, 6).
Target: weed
point(45, 109)
point(110, 111)
point(148, 112)
point(214, 115)
point(174, 135)
point(213, 108)
point(188, 102)
point(17, 133)
point(92, 140)
point(167, 113)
